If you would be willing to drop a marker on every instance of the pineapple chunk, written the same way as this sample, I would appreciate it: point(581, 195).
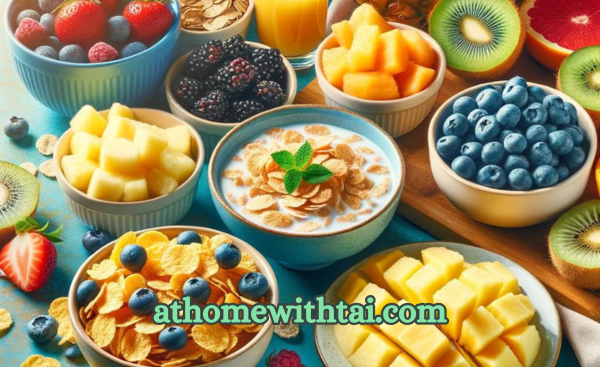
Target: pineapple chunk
point(88, 120)
point(106, 186)
point(119, 127)
point(382, 297)
point(397, 275)
point(374, 86)
point(414, 79)
point(119, 155)
point(367, 15)
point(419, 50)
point(376, 351)
point(524, 342)
point(118, 109)
point(510, 312)
point(460, 303)
point(352, 286)
point(159, 183)
point(135, 189)
point(404, 360)
point(179, 138)
point(526, 302)
point(447, 261)
point(335, 66)
point(453, 359)
point(377, 265)
point(498, 354)
point(78, 170)
point(343, 34)
point(484, 284)
point(424, 283)
point(350, 337)
point(363, 53)
point(479, 331)
point(86, 145)
point(151, 144)
point(510, 284)
point(393, 54)
point(176, 164)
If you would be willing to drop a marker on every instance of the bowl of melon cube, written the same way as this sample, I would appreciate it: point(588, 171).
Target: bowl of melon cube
point(128, 169)
point(390, 73)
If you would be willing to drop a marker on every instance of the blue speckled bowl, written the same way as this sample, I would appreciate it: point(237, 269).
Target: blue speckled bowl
point(306, 251)
point(66, 87)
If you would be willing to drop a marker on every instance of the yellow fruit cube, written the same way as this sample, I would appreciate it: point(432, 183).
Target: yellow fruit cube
point(460, 303)
point(374, 86)
point(88, 120)
point(404, 360)
point(376, 351)
point(524, 342)
point(119, 155)
point(335, 66)
point(351, 337)
point(414, 79)
point(106, 185)
point(176, 164)
point(526, 302)
point(135, 189)
point(498, 354)
point(382, 297)
point(150, 144)
point(479, 331)
point(510, 284)
point(397, 275)
point(485, 285)
point(160, 183)
point(118, 109)
point(419, 50)
point(510, 311)
point(78, 170)
point(377, 265)
point(179, 138)
point(392, 55)
point(86, 145)
point(367, 15)
point(343, 33)
point(363, 53)
point(424, 283)
point(447, 261)
point(352, 286)
point(119, 127)
point(453, 359)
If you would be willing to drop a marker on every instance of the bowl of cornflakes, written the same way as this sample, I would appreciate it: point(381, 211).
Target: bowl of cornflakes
point(113, 298)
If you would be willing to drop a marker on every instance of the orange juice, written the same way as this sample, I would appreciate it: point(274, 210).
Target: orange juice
point(295, 27)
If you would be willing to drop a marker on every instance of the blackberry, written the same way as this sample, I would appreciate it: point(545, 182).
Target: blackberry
point(204, 59)
point(236, 77)
point(268, 64)
point(208, 83)
point(269, 93)
point(242, 110)
point(213, 107)
point(236, 47)
point(186, 91)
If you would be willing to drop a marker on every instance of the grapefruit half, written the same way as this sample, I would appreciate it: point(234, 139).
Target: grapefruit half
point(556, 28)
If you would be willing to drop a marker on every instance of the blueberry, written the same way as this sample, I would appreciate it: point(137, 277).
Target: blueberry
point(572, 112)
point(74, 54)
point(540, 154)
point(28, 14)
point(86, 292)
point(545, 176)
point(48, 6)
point(471, 150)
point(188, 237)
point(228, 255)
point(42, 329)
point(559, 115)
point(560, 142)
point(173, 338)
point(550, 128)
point(497, 88)
point(133, 48)
point(516, 95)
point(143, 301)
point(520, 179)
point(508, 116)
point(464, 167)
point(475, 115)
point(73, 352)
point(504, 133)
point(515, 144)
point(574, 160)
point(555, 160)
point(118, 29)
point(95, 240)
point(133, 257)
point(563, 172)
point(553, 100)
point(514, 161)
point(464, 105)
point(55, 43)
point(492, 153)
point(253, 285)
point(576, 134)
point(197, 289)
point(517, 80)
point(469, 137)
point(535, 114)
point(536, 134)
point(16, 128)
point(492, 176)
point(47, 20)
point(536, 94)
point(487, 128)
point(456, 124)
point(449, 147)
point(489, 100)
point(47, 51)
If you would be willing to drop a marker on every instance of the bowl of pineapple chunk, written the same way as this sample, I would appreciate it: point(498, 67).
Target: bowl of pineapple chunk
point(390, 73)
point(128, 169)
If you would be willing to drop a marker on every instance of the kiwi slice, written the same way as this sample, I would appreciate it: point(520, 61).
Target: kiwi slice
point(19, 195)
point(579, 78)
point(481, 39)
point(574, 243)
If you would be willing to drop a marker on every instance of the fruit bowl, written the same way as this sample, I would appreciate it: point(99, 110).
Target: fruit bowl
point(507, 208)
point(119, 217)
point(66, 87)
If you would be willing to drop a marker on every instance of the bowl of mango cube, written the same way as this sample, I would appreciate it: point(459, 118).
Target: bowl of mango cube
point(128, 169)
point(390, 73)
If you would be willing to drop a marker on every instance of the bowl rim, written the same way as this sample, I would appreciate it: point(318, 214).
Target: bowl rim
point(247, 14)
point(176, 11)
point(584, 119)
point(395, 194)
point(199, 164)
point(95, 258)
point(439, 77)
point(290, 74)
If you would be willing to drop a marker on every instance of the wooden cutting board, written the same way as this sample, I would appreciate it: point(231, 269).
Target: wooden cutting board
point(423, 203)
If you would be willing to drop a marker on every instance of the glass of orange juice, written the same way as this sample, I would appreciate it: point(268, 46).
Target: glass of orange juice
point(295, 27)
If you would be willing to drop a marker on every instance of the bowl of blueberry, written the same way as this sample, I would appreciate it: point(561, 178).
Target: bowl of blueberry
point(512, 154)
point(70, 54)
point(222, 83)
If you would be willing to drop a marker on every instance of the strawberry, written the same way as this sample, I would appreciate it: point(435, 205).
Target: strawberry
point(80, 22)
point(149, 20)
point(109, 6)
point(29, 259)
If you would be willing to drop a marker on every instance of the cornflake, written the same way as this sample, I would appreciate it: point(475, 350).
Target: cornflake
point(211, 15)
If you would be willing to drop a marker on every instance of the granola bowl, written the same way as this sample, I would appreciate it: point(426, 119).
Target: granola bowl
point(311, 225)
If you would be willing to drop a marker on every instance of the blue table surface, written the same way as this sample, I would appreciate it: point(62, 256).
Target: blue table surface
point(15, 346)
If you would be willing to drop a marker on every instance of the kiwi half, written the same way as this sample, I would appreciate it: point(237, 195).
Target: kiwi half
point(19, 195)
point(574, 244)
point(579, 78)
point(482, 39)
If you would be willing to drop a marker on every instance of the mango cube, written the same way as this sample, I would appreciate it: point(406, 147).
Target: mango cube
point(376, 351)
point(510, 311)
point(460, 303)
point(497, 354)
point(135, 189)
point(424, 283)
point(414, 79)
point(397, 275)
point(351, 337)
point(419, 50)
point(119, 155)
point(453, 359)
point(374, 86)
point(176, 164)
point(377, 265)
point(343, 33)
point(363, 53)
point(160, 183)
point(106, 185)
point(119, 127)
point(404, 360)
point(392, 55)
point(447, 261)
point(179, 138)
point(88, 120)
point(367, 15)
point(479, 331)
point(526, 302)
point(86, 145)
point(485, 285)
point(119, 110)
point(352, 286)
point(524, 342)
point(78, 170)
point(510, 284)
point(382, 297)
point(150, 144)
point(335, 66)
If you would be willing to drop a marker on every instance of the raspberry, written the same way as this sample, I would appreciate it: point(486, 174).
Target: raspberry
point(31, 33)
point(102, 52)
point(285, 358)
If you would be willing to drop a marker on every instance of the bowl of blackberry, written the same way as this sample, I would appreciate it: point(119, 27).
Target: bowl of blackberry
point(223, 83)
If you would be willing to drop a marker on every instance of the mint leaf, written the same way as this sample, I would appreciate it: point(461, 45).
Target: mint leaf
point(303, 155)
point(316, 174)
point(284, 159)
point(292, 180)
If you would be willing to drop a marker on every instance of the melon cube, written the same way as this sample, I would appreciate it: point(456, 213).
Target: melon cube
point(510, 283)
point(510, 311)
point(352, 286)
point(414, 79)
point(176, 164)
point(376, 351)
point(363, 53)
point(119, 128)
point(78, 170)
point(460, 303)
point(160, 183)
point(367, 15)
point(136, 189)
point(106, 185)
point(335, 66)
point(404, 360)
point(447, 261)
point(497, 354)
point(343, 34)
point(524, 342)
point(485, 285)
point(424, 283)
point(526, 302)
point(453, 359)
point(88, 120)
point(479, 331)
point(150, 144)
point(377, 265)
point(351, 337)
point(374, 86)
point(86, 145)
point(120, 110)
point(392, 55)
point(419, 50)
point(119, 155)
point(179, 138)
point(397, 275)
point(382, 297)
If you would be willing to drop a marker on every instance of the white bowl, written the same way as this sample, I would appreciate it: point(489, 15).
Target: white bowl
point(118, 218)
point(397, 117)
point(506, 208)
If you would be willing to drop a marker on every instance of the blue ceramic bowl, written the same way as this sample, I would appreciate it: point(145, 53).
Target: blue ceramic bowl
point(66, 87)
point(306, 251)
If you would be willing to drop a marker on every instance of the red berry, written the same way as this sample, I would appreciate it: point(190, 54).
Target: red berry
point(81, 22)
point(109, 6)
point(102, 52)
point(285, 358)
point(31, 33)
point(149, 20)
